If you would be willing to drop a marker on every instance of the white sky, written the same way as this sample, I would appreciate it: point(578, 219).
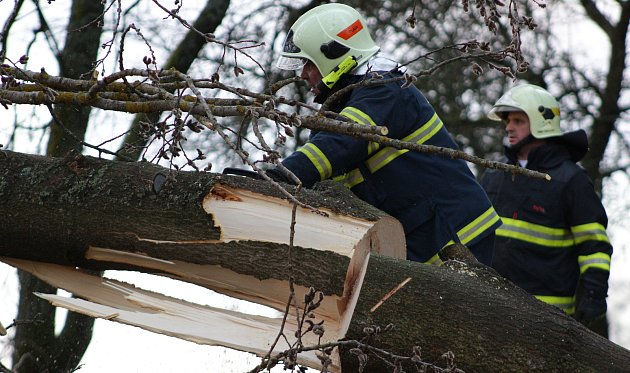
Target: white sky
point(122, 348)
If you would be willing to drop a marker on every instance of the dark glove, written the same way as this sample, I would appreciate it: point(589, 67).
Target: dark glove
point(590, 309)
point(277, 175)
point(241, 172)
point(274, 173)
point(591, 296)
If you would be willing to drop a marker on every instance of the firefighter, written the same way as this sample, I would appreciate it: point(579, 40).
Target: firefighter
point(437, 199)
point(553, 240)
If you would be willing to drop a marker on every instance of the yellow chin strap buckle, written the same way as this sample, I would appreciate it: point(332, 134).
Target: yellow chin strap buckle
point(344, 67)
point(327, 82)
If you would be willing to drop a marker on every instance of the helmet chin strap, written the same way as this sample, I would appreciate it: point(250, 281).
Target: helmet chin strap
point(321, 97)
point(326, 84)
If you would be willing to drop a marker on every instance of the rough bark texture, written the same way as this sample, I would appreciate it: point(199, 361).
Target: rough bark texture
point(487, 322)
point(58, 206)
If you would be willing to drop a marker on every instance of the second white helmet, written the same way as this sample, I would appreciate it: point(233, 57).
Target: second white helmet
point(541, 108)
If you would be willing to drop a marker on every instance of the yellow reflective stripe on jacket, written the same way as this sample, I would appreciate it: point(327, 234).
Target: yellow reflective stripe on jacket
point(473, 229)
point(435, 260)
point(357, 116)
point(319, 160)
point(535, 233)
point(567, 304)
point(477, 226)
point(597, 260)
point(388, 154)
point(589, 232)
point(419, 136)
point(360, 117)
point(350, 179)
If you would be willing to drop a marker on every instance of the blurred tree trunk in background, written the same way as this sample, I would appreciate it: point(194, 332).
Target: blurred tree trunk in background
point(609, 90)
point(77, 60)
point(36, 347)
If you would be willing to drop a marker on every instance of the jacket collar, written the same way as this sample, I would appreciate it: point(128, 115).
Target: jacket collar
point(570, 146)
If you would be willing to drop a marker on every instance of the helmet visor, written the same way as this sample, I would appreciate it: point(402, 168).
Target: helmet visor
point(500, 112)
point(290, 63)
point(289, 46)
point(286, 62)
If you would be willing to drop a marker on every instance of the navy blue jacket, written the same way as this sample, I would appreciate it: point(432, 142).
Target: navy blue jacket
point(554, 232)
point(434, 194)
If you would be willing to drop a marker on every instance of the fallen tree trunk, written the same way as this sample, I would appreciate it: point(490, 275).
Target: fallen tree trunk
point(227, 233)
point(231, 234)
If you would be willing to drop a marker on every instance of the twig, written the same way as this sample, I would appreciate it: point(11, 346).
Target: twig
point(390, 293)
point(200, 106)
point(213, 125)
point(7, 26)
point(79, 141)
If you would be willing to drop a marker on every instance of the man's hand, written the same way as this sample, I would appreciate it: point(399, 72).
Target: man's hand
point(241, 172)
point(590, 309)
point(277, 175)
point(274, 173)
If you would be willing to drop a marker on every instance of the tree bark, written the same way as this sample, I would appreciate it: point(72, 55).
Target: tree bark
point(488, 323)
point(97, 214)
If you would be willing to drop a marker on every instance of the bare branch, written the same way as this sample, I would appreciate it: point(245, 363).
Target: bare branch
point(7, 27)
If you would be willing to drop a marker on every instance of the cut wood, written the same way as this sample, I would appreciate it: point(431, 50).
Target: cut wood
point(124, 303)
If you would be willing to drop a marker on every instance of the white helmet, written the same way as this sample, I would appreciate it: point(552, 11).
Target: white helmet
point(541, 108)
point(326, 35)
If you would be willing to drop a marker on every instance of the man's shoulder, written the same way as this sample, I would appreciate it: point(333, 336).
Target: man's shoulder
point(387, 92)
point(491, 178)
point(567, 171)
point(376, 82)
point(389, 88)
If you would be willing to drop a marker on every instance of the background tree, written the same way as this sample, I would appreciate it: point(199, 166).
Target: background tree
point(36, 348)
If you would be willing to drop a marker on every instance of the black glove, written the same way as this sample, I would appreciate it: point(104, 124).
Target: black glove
point(277, 175)
point(591, 296)
point(590, 309)
point(241, 172)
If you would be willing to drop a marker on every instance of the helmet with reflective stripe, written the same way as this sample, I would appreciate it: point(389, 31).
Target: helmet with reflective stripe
point(326, 35)
point(541, 108)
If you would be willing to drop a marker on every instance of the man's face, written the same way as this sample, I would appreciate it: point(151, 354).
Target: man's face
point(517, 126)
point(312, 76)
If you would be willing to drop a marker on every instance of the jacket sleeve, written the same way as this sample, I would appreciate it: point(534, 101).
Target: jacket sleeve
point(588, 222)
point(328, 154)
point(325, 155)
